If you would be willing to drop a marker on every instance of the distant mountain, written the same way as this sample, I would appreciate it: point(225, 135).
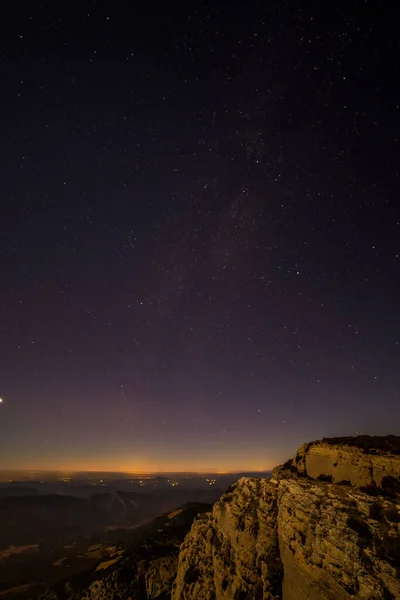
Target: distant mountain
point(36, 518)
point(14, 490)
point(32, 519)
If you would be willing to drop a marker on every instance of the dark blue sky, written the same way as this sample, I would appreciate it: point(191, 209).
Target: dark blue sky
point(199, 232)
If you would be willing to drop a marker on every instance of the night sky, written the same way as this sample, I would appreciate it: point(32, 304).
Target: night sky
point(199, 231)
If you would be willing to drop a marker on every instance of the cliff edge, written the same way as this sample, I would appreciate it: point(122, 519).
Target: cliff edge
point(365, 461)
point(325, 527)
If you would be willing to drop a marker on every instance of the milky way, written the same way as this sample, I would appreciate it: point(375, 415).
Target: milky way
point(199, 248)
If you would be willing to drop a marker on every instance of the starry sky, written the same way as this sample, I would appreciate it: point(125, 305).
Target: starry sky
point(199, 232)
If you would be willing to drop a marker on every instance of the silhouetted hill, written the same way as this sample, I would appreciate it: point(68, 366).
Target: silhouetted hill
point(33, 519)
point(17, 491)
point(30, 519)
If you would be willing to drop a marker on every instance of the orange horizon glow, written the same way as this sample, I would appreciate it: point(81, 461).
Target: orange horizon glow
point(196, 463)
point(69, 471)
point(143, 473)
point(11, 475)
point(220, 467)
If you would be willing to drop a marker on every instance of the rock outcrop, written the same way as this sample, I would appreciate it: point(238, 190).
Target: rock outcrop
point(325, 527)
point(233, 551)
point(149, 580)
point(159, 575)
point(363, 462)
point(337, 543)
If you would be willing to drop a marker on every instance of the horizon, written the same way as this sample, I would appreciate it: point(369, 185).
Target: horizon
point(140, 473)
point(34, 475)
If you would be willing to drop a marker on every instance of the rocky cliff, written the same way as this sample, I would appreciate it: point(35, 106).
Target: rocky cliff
point(234, 549)
point(337, 543)
point(325, 527)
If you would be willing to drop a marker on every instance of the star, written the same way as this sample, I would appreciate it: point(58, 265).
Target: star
point(186, 240)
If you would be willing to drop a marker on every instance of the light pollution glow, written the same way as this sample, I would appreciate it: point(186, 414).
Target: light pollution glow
point(190, 464)
point(138, 469)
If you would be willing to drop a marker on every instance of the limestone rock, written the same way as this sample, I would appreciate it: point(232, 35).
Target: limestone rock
point(232, 553)
point(159, 575)
point(337, 543)
point(363, 461)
